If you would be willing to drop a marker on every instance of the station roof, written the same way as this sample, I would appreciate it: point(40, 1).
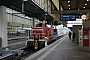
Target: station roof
point(30, 8)
point(73, 6)
point(77, 7)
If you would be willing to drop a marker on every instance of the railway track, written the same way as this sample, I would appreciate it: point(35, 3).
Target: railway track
point(13, 40)
point(27, 52)
point(17, 44)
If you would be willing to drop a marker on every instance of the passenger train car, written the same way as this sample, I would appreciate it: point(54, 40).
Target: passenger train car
point(20, 32)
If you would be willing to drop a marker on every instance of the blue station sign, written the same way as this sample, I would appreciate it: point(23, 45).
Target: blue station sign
point(67, 17)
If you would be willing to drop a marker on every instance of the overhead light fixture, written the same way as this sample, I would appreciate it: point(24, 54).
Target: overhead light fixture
point(83, 7)
point(46, 14)
point(87, 0)
point(69, 8)
point(68, 1)
point(25, 0)
point(85, 4)
point(80, 13)
point(68, 5)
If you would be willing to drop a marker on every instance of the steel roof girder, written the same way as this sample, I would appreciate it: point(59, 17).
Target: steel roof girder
point(71, 11)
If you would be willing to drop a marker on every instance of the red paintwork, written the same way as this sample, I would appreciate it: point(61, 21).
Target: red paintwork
point(43, 32)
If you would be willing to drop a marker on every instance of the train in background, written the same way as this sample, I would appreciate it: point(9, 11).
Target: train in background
point(41, 35)
point(22, 32)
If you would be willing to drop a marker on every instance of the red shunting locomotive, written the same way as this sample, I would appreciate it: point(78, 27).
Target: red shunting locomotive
point(41, 35)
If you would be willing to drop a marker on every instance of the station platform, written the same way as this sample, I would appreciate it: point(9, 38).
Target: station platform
point(62, 49)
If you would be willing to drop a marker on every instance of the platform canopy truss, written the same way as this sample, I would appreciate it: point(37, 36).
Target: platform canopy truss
point(27, 7)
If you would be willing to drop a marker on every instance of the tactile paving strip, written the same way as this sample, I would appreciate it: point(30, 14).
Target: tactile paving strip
point(79, 58)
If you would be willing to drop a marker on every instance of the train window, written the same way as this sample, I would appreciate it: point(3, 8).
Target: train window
point(48, 26)
point(39, 25)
